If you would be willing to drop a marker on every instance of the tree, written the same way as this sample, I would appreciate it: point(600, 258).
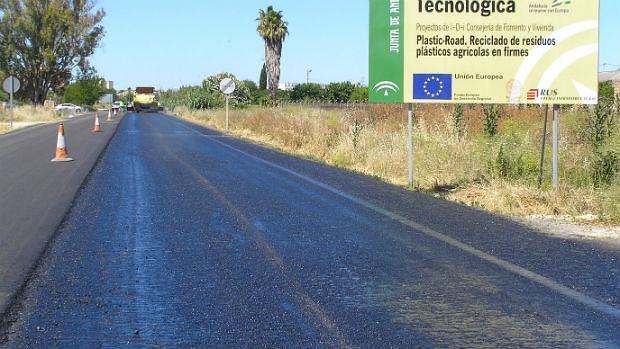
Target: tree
point(262, 83)
point(339, 92)
point(307, 93)
point(251, 86)
point(360, 95)
point(3, 95)
point(606, 91)
point(273, 29)
point(43, 41)
point(84, 92)
point(241, 95)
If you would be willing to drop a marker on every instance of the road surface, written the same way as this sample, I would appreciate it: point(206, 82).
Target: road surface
point(35, 193)
point(183, 237)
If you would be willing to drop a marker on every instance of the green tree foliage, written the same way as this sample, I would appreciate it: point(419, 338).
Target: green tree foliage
point(251, 86)
point(606, 91)
point(339, 92)
point(273, 29)
point(42, 41)
point(262, 82)
point(208, 96)
point(86, 91)
point(360, 95)
point(3, 95)
point(241, 95)
point(310, 92)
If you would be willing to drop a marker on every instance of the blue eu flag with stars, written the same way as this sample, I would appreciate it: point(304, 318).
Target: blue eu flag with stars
point(432, 86)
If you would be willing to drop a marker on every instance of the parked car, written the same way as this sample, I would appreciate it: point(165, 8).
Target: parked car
point(68, 107)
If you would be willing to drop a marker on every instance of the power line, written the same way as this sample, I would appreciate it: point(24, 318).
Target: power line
point(610, 65)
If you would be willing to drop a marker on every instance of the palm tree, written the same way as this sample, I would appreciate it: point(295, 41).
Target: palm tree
point(273, 29)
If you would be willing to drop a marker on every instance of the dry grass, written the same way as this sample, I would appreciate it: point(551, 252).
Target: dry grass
point(27, 115)
point(464, 169)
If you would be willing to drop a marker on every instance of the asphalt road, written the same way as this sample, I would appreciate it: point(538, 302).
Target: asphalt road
point(182, 237)
point(36, 194)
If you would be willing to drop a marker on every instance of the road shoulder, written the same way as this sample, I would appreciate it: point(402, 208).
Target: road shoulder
point(37, 194)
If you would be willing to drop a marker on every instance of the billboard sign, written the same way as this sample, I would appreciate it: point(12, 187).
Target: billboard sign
point(484, 51)
point(106, 99)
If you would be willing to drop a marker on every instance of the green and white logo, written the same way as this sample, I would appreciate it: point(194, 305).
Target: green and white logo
point(387, 56)
point(386, 88)
point(558, 3)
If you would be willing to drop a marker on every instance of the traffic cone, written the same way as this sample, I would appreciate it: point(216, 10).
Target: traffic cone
point(62, 155)
point(97, 124)
point(109, 115)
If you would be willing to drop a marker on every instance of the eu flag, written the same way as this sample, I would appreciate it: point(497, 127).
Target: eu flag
point(432, 86)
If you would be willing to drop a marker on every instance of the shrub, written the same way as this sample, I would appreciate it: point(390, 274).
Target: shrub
point(599, 124)
point(307, 92)
point(513, 162)
point(359, 95)
point(457, 114)
point(241, 95)
point(606, 91)
point(339, 92)
point(605, 168)
point(491, 118)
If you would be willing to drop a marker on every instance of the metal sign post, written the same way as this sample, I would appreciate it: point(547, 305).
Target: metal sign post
point(227, 86)
point(410, 144)
point(542, 152)
point(556, 134)
point(11, 85)
point(12, 89)
point(226, 113)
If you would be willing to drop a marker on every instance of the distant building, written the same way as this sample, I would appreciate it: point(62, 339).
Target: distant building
point(613, 76)
point(287, 86)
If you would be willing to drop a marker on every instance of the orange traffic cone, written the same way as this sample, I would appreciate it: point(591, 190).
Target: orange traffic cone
point(109, 115)
point(97, 124)
point(62, 155)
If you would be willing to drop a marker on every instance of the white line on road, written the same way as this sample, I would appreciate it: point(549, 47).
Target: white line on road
point(508, 266)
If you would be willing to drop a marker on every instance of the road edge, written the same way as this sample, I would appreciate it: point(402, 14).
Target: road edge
point(13, 300)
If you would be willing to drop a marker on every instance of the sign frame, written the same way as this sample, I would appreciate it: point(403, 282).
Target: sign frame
point(556, 64)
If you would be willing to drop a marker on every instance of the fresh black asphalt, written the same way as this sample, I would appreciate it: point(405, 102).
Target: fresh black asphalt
point(35, 194)
point(183, 237)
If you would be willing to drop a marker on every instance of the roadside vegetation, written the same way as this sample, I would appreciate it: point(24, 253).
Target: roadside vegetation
point(47, 46)
point(27, 115)
point(485, 156)
point(482, 156)
point(43, 43)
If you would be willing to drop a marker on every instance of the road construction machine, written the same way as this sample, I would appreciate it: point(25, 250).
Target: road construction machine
point(145, 100)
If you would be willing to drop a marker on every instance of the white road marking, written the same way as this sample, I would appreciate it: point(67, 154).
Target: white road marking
point(508, 266)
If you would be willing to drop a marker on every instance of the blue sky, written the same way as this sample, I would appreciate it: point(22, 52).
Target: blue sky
point(166, 43)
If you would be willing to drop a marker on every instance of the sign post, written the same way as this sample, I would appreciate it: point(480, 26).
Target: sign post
point(227, 86)
point(542, 152)
point(11, 85)
point(484, 52)
point(410, 144)
point(556, 135)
